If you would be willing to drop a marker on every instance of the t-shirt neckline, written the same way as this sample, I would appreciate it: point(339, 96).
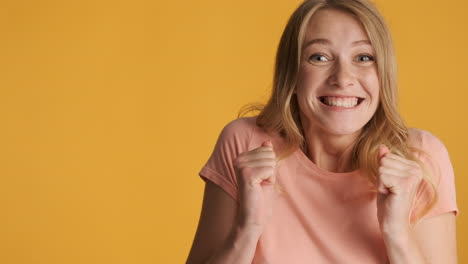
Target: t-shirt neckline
point(306, 161)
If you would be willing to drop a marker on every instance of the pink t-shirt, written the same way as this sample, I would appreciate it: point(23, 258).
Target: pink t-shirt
point(321, 217)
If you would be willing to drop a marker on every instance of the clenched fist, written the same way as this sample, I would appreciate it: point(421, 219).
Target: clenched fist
point(256, 176)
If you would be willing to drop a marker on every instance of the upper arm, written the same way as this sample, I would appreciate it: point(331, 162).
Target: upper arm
point(436, 237)
point(216, 222)
point(436, 230)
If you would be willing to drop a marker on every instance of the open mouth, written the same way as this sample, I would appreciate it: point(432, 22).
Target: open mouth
point(344, 102)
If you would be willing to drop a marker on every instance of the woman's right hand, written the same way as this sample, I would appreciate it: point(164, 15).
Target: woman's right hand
point(256, 176)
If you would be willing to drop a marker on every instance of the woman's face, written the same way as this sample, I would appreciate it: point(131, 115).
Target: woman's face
point(338, 88)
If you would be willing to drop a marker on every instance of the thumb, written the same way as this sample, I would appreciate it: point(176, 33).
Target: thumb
point(382, 151)
point(267, 143)
point(271, 180)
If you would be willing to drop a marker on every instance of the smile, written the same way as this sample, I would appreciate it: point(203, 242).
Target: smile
point(341, 102)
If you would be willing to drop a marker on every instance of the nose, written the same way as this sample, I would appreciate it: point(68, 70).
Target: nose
point(342, 75)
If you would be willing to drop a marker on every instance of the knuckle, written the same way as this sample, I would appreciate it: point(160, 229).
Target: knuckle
point(381, 170)
point(385, 161)
point(237, 162)
point(247, 168)
point(383, 177)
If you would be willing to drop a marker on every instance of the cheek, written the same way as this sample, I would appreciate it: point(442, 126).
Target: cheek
point(371, 83)
point(309, 78)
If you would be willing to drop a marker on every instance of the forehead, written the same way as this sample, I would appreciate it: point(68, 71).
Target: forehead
point(334, 24)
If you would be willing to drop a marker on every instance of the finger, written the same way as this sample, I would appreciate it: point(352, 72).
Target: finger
point(387, 183)
point(257, 150)
point(381, 188)
point(257, 156)
point(394, 164)
point(262, 171)
point(392, 184)
point(260, 149)
point(396, 157)
point(383, 150)
point(267, 143)
point(259, 163)
point(391, 172)
point(261, 154)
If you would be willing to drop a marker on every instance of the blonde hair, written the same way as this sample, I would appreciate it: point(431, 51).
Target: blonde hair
point(281, 113)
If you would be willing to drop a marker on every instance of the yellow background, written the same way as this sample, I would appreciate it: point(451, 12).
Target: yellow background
point(109, 109)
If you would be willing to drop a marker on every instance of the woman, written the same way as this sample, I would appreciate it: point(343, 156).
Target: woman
point(328, 172)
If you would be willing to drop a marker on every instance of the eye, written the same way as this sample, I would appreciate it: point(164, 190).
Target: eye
point(318, 58)
point(365, 58)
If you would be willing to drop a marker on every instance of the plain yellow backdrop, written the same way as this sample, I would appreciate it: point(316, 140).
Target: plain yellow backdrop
point(109, 109)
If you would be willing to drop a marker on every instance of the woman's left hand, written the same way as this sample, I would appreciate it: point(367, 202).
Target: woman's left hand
point(397, 184)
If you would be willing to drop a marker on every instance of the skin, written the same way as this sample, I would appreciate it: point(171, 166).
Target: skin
point(332, 67)
point(335, 67)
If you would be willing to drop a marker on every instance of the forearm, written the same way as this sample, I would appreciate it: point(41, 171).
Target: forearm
point(239, 248)
point(403, 248)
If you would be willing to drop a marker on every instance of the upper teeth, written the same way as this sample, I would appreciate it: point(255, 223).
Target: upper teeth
point(341, 101)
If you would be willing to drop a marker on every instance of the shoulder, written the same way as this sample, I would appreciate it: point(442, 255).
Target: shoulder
point(244, 134)
point(432, 152)
point(238, 133)
point(424, 140)
point(240, 128)
point(240, 125)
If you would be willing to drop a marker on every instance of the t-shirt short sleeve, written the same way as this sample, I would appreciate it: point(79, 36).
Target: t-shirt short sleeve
point(437, 161)
point(233, 140)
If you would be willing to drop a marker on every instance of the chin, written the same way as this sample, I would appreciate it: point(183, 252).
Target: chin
point(344, 130)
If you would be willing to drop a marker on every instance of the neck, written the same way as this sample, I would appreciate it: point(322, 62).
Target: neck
point(328, 151)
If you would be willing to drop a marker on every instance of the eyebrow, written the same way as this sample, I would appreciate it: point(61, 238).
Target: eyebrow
point(328, 42)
